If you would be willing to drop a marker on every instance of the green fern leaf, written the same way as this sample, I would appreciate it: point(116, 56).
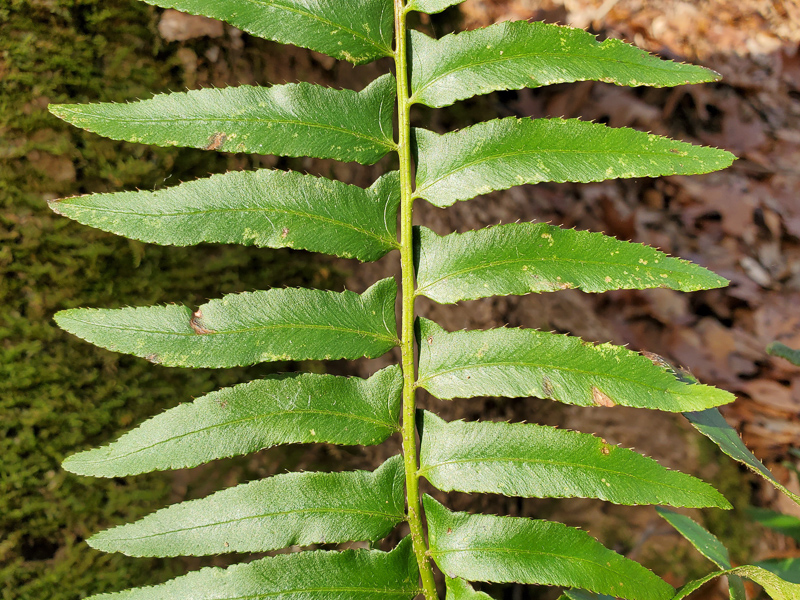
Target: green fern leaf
point(318, 575)
point(707, 544)
point(544, 462)
point(783, 351)
point(358, 31)
point(431, 6)
point(458, 589)
point(248, 328)
point(523, 362)
point(520, 258)
point(777, 588)
point(275, 209)
point(297, 119)
point(500, 154)
point(787, 525)
point(714, 426)
point(506, 549)
point(787, 569)
point(519, 54)
point(293, 409)
point(277, 512)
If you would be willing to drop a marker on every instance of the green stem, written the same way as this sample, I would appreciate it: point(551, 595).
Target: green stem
point(407, 322)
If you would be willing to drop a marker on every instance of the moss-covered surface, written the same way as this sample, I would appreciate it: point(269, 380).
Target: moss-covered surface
point(58, 394)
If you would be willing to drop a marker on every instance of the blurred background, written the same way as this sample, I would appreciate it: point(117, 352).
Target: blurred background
point(59, 395)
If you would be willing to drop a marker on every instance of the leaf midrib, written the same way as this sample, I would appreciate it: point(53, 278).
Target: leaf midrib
point(583, 466)
point(352, 416)
point(526, 55)
point(392, 242)
point(603, 375)
point(311, 510)
point(486, 158)
point(529, 551)
point(376, 336)
point(380, 142)
point(555, 258)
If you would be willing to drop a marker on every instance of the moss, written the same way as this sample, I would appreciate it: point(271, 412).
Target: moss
point(59, 395)
point(733, 527)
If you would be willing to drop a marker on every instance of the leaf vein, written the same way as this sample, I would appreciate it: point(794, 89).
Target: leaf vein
point(377, 336)
point(503, 550)
point(384, 425)
point(322, 510)
point(556, 259)
point(584, 466)
point(224, 120)
point(490, 157)
point(605, 375)
point(386, 239)
point(524, 55)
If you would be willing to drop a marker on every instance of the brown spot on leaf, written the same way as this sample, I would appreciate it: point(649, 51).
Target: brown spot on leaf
point(547, 387)
point(430, 340)
point(601, 399)
point(215, 141)
point(196, 326)
point(53, 205)
point(656, 359)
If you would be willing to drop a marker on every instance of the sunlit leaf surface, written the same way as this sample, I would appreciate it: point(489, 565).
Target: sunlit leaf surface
point(521, 459)
point(275, 209)
point(524, 362)
point(355, 30)
point(520, 258)
point(291, 409)
point(296, 119)
point(503, 153)
point(247, 328)
point(277, 512)
point(519, 54)
point(506, 549)
point(320, 575)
